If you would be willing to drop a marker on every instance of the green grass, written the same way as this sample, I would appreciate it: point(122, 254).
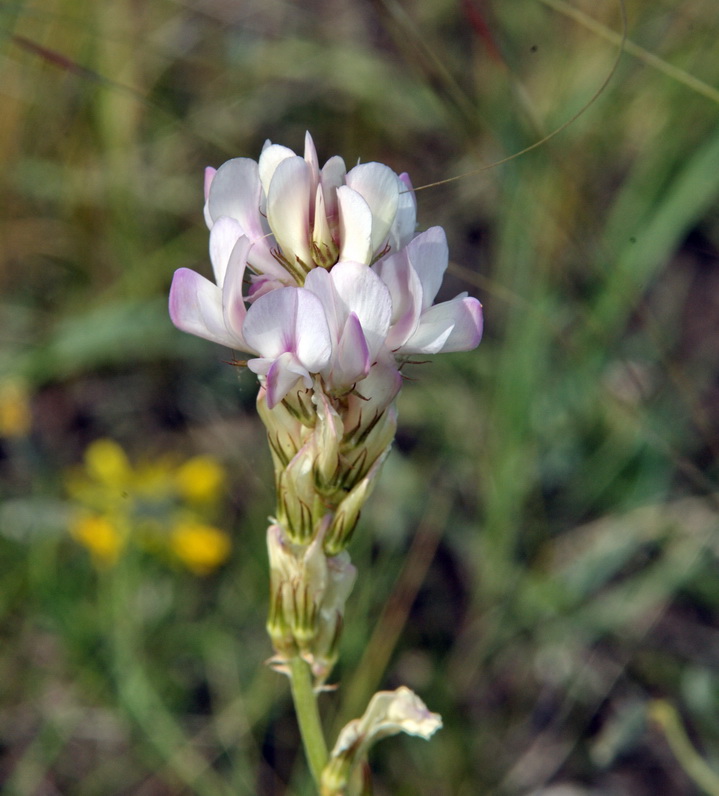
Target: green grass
point(543, 539)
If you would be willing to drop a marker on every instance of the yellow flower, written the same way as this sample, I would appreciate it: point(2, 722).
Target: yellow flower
point(200, 479)
point(100, 537)
point(106, 462)
point(15, 417)
point(201, 548)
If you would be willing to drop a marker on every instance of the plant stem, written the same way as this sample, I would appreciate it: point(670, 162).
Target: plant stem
point(308, 717)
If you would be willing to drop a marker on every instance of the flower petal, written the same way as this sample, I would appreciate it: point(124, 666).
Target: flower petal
point(270, 158)
point(224, 235)
point(361, 291)
point(405, 222)
point(331, 177)
point(388, 713)
point(379, 186)
point(312, 335)
point(235, 191)
point(282, 376)
point(233, 301)
point(196, 307)
point(288, 208)
point(451, 326)
point(352, 359)
point(209, 176)
point(428, 254)
point(289, 319)
point(355, 225)
point(405, 291)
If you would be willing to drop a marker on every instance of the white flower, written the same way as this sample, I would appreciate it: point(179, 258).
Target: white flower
point(299, 216)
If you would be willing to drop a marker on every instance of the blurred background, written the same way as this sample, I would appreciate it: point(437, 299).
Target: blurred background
point(539, 561)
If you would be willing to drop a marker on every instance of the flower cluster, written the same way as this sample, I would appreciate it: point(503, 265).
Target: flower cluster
point(161, 506)
point(338, 279)
point(321, 277)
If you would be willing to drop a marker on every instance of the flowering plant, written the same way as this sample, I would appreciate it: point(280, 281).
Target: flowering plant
point(321, 277)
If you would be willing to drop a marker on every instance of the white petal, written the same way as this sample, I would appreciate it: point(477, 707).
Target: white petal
point(355, 223)
point(312, 162)
point(379, 186)
point(320, 283)
point(235, 191)
point(269, 324)
point(332, 176)
point(388, 713)
point(288, 208)
point(428, 255)
point(405, 222)
point(361, 291)
point(271, 157)
point(313, 343)
point(451, 326)
point(289, 319)
point(224, 235)
point(321, 234)
point(196, 307)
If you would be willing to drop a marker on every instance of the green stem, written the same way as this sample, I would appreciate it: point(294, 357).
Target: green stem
point(308, 717)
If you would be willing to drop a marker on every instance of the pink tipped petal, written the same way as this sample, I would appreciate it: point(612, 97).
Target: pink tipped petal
point(451, 326)
point(467, 331)
point(233, 302)
point(271, 157)
point(428, 254)
point(209, 176)
point(236, 192)
point(196, 308)
point(288, 208)
point(405, 291)
point(379, 187)
point(283, 375)
point(352, 361)
point(361, 291)
point(355, 223)
point(223, 236)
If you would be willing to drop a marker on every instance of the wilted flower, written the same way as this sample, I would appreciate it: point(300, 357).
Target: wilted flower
point(388, 713)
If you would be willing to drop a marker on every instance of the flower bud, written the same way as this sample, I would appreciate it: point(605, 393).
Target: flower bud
point(308, 596)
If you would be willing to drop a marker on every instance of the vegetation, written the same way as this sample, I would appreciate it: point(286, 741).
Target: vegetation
point(539, 560)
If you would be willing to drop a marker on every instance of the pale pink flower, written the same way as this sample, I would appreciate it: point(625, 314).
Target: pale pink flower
point(299, 216)
point(318, 308)
point(413, 277)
